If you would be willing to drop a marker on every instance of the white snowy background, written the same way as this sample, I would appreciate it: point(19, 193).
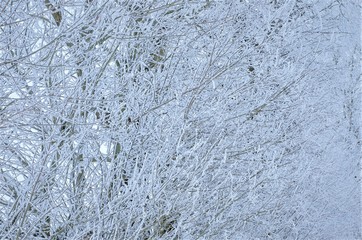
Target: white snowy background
point(134, 119)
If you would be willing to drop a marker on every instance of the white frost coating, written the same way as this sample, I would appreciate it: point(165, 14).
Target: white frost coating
point(179, 120)
point(14, 95)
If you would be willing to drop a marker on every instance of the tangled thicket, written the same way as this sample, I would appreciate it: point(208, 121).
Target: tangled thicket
point(172, 119)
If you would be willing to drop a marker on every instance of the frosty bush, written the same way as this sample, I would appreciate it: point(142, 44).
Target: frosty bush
point(172, 119)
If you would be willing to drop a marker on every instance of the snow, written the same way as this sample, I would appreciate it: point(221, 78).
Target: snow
point(180, 120)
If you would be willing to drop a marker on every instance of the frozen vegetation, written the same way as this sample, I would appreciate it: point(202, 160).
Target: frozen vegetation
point(180, 119)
